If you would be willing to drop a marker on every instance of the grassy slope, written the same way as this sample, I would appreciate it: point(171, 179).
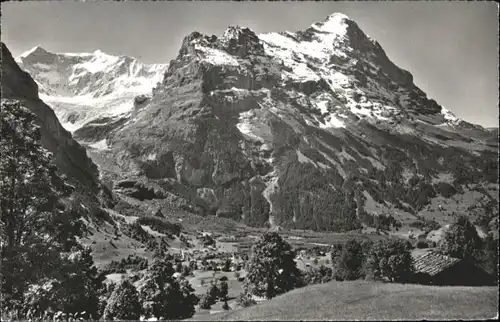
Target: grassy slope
point(363, 300)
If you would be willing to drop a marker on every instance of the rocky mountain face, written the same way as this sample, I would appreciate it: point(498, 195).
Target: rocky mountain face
point(70, 157)
point(315, 129)
point(87, 87)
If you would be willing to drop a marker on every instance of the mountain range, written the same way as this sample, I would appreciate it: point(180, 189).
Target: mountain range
point(85, 86)
point(315, 129)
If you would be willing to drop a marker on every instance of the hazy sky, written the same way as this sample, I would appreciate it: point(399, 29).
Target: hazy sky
point(451, 48)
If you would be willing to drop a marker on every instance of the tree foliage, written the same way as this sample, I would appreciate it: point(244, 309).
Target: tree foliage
point(44, 268)
point(461, 240)
point(223, 290)
point(123, 303)
point(316, 275)
point(272, 269)
point(164, 296)
point(390, 259)
point(490, 254)
point(349, 265)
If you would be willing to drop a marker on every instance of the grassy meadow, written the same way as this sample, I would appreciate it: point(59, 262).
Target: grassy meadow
point(366, 300)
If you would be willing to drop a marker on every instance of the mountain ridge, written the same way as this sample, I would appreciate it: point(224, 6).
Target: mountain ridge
point(315, 129)
point(83, 87)
point(69, 155)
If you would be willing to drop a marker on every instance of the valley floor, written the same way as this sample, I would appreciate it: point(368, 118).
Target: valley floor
point(364, 300)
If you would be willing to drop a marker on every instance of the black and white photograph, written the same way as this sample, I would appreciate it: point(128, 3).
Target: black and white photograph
point(249, 160)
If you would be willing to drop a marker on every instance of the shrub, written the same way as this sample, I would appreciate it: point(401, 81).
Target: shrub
point(132, 262)
point(245, 300)
point(425, 225)
point(381, 221)
point(317, 275)
point(205, 302)
point(445, 189)
point(272, 269)
point(161, 225)
point(422, 244)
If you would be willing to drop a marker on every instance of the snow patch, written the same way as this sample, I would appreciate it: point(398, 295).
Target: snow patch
point(216, 57)
point(100, 145)
point(253, 128)
point(100, 62)
point(331, 121)
point(303, 159)
point(449, 116)
point(335, 23)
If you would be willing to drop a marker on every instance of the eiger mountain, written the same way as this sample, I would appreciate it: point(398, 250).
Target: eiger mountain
point(312, 129)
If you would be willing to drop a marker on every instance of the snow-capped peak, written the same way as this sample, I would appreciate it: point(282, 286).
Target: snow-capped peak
point(449, 116)
point(75, 73)
point(76, 83)
point(33, 51)
point(334, 23)
point(232, 32)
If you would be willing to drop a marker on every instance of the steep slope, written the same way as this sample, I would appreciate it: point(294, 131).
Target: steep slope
point(315, 129)
point(70, 156)
point(86, 87)
point(110, 236)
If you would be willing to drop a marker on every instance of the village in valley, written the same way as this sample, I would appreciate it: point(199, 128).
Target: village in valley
point(209, 259)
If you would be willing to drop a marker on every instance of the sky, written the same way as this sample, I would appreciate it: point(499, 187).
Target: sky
point(451, 48)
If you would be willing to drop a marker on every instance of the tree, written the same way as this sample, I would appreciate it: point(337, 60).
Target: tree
point(223, 291)
point(390, 259)
point(490, 254)
point(164, 296)
point(43, 266)
point(462, 240)
point(185, 270)
point(104, 294)
point(205, 302)
point(80, 286)
point(335, 252)
point(227, 265)
point(213, 292)
point(210, 297)
point(124, 303)
point(349, 265)
point(272, 269)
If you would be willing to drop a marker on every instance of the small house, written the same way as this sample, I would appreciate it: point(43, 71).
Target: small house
point(436, 269)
